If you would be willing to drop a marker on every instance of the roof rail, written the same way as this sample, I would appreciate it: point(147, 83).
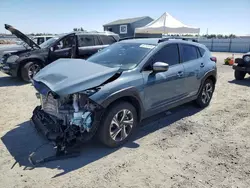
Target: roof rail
point(177, 38)
point(127, 38)
point(94, 31)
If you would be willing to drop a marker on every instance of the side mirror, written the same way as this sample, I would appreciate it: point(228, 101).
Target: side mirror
point(160, 67)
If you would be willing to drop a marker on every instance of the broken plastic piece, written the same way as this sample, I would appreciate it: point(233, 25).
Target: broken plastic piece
point(60, 156)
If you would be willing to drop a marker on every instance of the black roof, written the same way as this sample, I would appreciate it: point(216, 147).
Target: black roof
point(126, 21)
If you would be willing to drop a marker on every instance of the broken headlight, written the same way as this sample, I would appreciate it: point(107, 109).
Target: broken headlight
point(90, 92)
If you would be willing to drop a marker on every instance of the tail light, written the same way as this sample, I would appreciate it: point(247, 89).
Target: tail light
point(213, 59)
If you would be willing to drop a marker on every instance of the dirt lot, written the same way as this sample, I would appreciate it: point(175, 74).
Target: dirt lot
point(188, 148)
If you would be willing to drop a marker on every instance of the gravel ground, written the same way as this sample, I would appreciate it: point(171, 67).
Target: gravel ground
point(184, 148)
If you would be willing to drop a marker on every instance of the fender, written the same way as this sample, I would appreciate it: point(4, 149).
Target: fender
point(32, 57)
point(25, 59)
point(131, 92)
point(212, 73)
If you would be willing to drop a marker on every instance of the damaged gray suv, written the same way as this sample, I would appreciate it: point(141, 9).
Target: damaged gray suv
point(108, 94)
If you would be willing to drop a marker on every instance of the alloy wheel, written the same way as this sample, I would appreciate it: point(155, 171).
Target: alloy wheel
point(33, 69)
point(121, 125)
point(207, 93)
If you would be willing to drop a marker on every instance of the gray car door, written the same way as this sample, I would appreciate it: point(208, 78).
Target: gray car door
point(193, 63)
point(88, 45)
point(165, 87)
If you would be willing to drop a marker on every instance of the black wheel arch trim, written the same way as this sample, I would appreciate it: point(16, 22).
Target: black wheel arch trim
point(30, 59)
point(212, 73)
point(126, 92)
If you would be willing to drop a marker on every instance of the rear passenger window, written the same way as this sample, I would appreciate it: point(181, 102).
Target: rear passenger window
point(47, 38)
point(188, 53)
point(198, 53)
point(86, 40)
point(202, 51)
point(107, 39)
point(97, 41)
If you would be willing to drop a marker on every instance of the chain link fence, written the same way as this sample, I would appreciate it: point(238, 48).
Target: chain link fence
point(241, 45)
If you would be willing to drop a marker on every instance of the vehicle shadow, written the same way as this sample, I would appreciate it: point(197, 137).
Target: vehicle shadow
point(10, 81)
point(245, 82)
point(24, 139)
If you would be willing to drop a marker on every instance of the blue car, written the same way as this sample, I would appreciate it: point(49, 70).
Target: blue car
point(108, 94)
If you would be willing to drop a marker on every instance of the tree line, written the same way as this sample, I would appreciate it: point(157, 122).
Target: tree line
point(78, 29)
point(218, 36)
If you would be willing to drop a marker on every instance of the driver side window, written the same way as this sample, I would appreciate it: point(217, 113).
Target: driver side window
point(65, 43)
point(168, 54)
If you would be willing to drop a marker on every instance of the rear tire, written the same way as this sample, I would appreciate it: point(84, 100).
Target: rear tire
point(239, 61)
point(29, 70)
point(239, 75)
point(108, 131)
point(206, 94)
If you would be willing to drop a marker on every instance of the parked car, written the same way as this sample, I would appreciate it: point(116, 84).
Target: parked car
point(243, 66)
point(26, 63)
point(20, 45)
point(37, 39)
point(41, 39)
point(112, 91)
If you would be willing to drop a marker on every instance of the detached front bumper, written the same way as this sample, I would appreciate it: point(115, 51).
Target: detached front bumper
point(45, 125)
point(244, 69)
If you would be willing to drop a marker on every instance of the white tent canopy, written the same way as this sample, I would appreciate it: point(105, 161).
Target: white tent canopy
point(167, 24)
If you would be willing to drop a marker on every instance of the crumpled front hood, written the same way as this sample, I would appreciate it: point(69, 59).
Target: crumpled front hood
point(68, 76)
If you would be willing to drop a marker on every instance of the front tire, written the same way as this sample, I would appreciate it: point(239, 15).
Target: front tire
point(239, 75)
point(29, 70)
point(118, 125)
point(205, 94)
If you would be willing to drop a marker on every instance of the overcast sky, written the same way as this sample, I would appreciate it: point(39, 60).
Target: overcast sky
point(61, 16)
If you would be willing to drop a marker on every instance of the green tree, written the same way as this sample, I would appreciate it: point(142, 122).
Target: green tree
point(219, 36)
point(232, 36)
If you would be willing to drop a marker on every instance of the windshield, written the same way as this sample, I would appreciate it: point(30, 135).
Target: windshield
point(47, 43)
point(123, 55)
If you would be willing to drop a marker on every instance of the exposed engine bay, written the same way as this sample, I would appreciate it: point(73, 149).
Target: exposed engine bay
point(66, 120)
point(67, 114)
point(73, 110)
point(73, 114)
